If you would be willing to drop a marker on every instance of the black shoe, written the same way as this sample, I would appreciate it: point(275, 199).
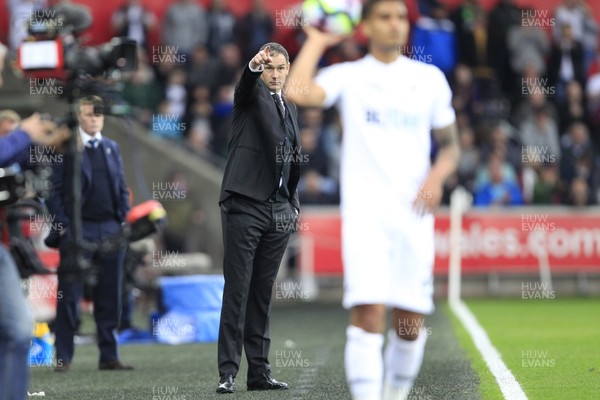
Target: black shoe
point(226, 384)
point(114, 366)
point(267, 382)
point(61, 366)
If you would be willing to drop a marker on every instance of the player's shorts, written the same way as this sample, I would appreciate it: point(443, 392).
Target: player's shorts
point(388, 260)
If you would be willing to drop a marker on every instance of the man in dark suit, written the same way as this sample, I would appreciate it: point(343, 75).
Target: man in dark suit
point(105, 203)
point(259, 210)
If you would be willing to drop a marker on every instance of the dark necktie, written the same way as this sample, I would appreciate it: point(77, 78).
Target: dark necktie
point(279, 104)
point(92, 144)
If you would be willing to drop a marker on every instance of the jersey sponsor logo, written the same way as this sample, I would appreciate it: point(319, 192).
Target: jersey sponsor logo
point(395, 119)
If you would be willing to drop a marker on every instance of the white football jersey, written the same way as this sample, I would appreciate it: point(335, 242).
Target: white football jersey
point(387, 113)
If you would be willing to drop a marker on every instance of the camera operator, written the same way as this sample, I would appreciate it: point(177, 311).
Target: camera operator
point(104, 205)
point(15, 331)
point(15, 318)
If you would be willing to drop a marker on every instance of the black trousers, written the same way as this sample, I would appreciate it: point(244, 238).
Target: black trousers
point(255, 235)
point(106, 296)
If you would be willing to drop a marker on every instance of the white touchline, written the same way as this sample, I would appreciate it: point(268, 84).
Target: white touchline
point(511, 389)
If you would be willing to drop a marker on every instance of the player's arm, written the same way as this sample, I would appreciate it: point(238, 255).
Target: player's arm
point(446, 162)
point(301, 87)
point(448, 154)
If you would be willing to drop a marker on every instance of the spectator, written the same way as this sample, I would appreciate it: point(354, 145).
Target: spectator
point(541, 132)
point(502, 140)
point(499, 191)
point(254, 29)
point(533, 97)
point(435, 37)
point(314, 188)
point(142, 91)
point(229, 64)
point(313, 155)
point(469, 159)
point(200, 136)
point(199, 108)
point(577, 152)
point(221, 25)
point(185, 26)
point(221, 119)
point(165, 124)
point(528, 47)
point(566, 62)
point(329, 136)
point(176, 92)
point(134, 21)
point(501, 18)
point(9, 120)
point(464, 91)
point(578, 15)
point(579, 193)
point(592, 90)
point(204, 69)
point(470, 19)
point(548, 189)
point(198, 120)
point(594, 67)
point(573, 109)
point(426, 7)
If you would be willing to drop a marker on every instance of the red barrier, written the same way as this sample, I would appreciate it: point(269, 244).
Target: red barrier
point(500, 241)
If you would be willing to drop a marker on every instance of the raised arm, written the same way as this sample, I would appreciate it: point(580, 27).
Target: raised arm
point(301, 87)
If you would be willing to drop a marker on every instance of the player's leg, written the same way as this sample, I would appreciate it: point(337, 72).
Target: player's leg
point(363, 359)
point(403, 353)
point(412, 278)
point(366, 272)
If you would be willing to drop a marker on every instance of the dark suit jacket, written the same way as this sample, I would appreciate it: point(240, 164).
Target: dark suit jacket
point(257, 134)
point(61, 202)
point(555, 60)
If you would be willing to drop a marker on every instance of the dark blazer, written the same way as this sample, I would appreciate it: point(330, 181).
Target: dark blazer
point(257, 136)
point(61, 202)
point(555, 60)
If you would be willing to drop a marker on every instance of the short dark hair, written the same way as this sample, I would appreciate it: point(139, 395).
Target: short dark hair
point(276, 48)
point(95, 101)
point(368, 6)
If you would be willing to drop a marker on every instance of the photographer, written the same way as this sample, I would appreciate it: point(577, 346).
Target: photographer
point(15, 331)
point(15, 318)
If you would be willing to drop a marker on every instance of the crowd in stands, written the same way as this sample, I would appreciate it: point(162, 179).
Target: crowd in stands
point(526, 86)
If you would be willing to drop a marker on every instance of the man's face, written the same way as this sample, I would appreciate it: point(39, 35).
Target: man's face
point(275, 72)
point(7, 125)
point(387, 26)
point(90, 122)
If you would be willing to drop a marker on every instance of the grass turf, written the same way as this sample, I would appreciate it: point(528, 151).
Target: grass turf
point(488, 388)
point(551, 346)
point(306, 352)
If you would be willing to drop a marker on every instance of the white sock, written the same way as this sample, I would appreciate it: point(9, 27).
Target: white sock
point(364, 363)
point(403, 359)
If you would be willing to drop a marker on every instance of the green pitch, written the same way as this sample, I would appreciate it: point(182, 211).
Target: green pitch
point(307, 352)
point(551, 346)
